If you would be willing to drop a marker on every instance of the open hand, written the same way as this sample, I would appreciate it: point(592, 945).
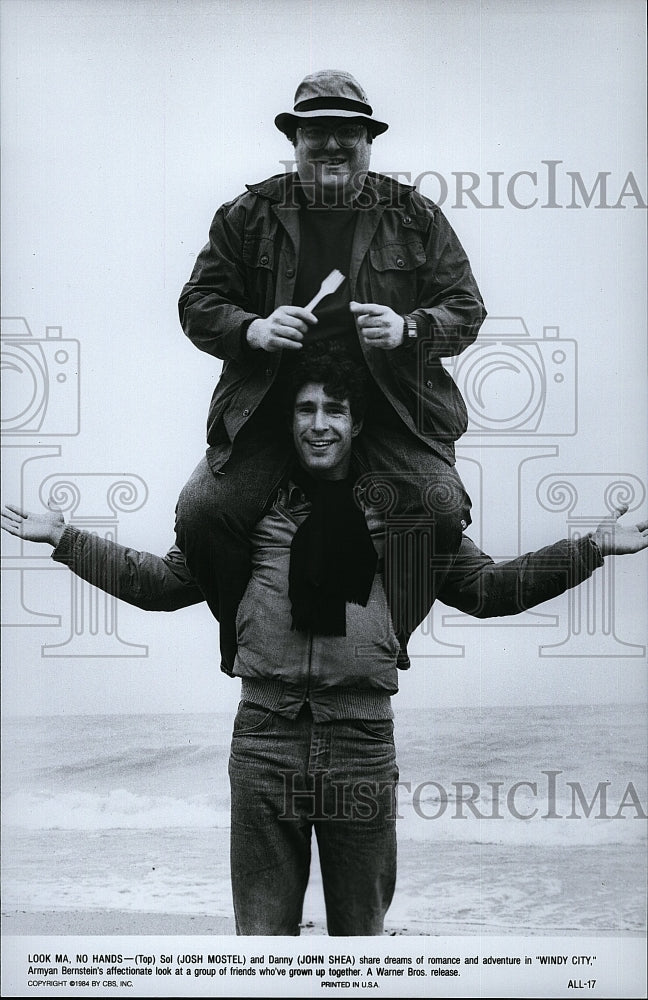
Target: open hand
point(41, 526)
point(614, 539)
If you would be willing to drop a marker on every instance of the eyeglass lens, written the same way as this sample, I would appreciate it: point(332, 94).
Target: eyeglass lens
point(345, 135)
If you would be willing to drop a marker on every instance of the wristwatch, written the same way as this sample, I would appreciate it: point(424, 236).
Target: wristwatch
point(410, 330)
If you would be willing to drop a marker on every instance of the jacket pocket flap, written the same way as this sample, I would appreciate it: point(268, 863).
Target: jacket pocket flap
point(398, 256)
point(258, 251)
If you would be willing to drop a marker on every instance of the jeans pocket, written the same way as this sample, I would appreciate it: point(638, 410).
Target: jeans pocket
point(251, 718)
point(378, 729)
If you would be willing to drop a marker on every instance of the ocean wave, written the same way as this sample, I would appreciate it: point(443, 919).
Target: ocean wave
point(117, 809)
point(425, 819)
point(541, 831)
point(521, 813)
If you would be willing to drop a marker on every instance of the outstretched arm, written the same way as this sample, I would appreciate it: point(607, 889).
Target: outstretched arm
point(147, 581)
point(480, 587)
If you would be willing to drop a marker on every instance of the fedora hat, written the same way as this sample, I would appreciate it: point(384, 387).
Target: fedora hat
point(330, 93)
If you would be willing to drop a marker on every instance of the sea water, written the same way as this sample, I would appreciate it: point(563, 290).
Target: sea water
point(531, 820)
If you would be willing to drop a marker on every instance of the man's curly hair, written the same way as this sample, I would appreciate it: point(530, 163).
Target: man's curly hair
point(330, 366)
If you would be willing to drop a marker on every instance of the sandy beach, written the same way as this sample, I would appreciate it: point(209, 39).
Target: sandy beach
point(112, 922)
point(109, 922)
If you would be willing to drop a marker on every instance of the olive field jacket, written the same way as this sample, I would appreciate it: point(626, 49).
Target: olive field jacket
point(405, 255)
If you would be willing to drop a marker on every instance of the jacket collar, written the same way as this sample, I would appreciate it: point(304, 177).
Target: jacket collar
point(379, 193)
point(378, 189)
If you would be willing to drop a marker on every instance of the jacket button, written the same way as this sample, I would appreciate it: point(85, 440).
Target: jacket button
point(246, 413)
point(428, 384)
point(407, 221)
point(290, 272)
point(400, 262)
point(264, 259)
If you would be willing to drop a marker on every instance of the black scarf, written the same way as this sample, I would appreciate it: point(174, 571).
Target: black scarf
point(332, 557)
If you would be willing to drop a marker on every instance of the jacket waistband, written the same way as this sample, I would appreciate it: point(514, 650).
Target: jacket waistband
point(331, 704)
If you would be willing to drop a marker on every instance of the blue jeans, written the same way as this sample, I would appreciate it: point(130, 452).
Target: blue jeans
point(289, 777)
point(425, 505)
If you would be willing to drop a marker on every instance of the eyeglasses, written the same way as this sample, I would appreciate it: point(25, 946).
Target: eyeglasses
point(346, 136)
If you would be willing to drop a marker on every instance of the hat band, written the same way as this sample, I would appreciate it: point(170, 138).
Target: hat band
point(333, 104)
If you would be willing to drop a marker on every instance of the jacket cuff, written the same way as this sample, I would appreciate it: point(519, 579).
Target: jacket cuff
point(64, 551)
point(246, 350)
point(590, 553)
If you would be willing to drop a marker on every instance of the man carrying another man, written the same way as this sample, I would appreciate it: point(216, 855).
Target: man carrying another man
point(312, 746)
point(408, 299)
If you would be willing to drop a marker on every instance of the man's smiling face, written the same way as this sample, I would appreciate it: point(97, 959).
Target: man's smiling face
point(323, 432)
point(332, 173)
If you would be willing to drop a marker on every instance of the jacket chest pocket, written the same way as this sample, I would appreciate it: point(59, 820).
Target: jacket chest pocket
point(259, 258)
point(394, 273)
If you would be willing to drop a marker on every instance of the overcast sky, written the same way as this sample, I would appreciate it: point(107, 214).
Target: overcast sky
point(125, 126)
